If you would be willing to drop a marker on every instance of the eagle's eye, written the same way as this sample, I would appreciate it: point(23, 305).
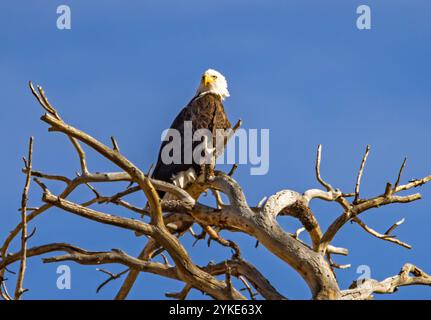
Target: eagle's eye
point(214, 77)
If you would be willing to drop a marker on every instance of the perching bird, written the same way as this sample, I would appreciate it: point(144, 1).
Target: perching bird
point(205, 111)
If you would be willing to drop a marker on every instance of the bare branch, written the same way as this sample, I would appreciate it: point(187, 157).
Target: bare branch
point(409, 275)
point(19, 289)
point(240, 267)
point(262, 201)
point(81, 155)
point(413, 184)
point(230, 288)
point(115, 144)
point(394, 226)
point(180, 295)
point(298, 232)
point(388, 197)
point(4, 292)
point(361, 170)
point(218, 198)
point(98, 216)
point(319, 178)
point(133, 274)
point(112, 276)
point(400, 173)
point(46, 176)
point(248, 288)
point(41, 101)
point(385, 237)
point(320, 194)
point(227, 243)
point(233, 169)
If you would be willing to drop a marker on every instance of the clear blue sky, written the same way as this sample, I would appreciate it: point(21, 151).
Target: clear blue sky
point(300, 68)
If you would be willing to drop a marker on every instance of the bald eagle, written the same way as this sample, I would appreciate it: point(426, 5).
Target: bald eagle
point(205, 111)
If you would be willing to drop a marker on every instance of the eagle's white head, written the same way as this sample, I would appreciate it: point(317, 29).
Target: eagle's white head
point(213, 81)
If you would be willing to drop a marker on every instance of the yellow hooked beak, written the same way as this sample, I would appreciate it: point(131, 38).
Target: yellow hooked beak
point(207, 79)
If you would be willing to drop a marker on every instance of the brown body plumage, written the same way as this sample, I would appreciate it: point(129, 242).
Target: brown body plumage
point(205, 111)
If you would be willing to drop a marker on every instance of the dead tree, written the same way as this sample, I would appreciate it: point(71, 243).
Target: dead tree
point(171, 219)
